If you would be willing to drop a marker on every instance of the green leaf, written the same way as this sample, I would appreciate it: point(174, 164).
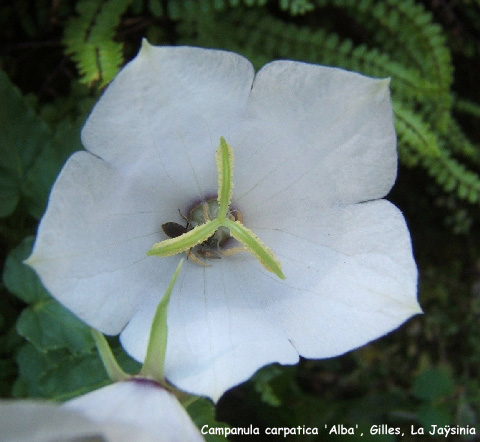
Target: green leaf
point(50, 326)
point(20, 279)
point(31, 155)
point(32, 365)
point(61, 375)
point(262, 384)
point(57, 375)
point(156, 8)
point(432, 414)
point(8, 370)
point(76, 375)
point(45, 323)
point(9, 192)
point(433, 384)
point(22, 137)
point(202, 412)
point(40, 178)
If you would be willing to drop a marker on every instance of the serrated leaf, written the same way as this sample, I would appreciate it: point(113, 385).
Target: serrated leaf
point(74, 376)
point(50, 326)
point(57, 375)
point(32, 365)
point(60, 375)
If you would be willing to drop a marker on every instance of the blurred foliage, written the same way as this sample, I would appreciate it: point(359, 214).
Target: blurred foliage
point(57, 358)
point(58, 56)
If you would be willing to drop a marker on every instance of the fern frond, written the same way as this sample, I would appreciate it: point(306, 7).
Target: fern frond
point(460, 144)
point(467, 107)
point(452, 175)
point(193, 10)
point(416, 139)
point(406, 31)
point(418, 144)
point(263, 38)
point(89, 40)
point(421, 100)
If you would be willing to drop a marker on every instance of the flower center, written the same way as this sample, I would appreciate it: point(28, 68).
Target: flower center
point(212, 247)
point(214, 232)
point(196, 217)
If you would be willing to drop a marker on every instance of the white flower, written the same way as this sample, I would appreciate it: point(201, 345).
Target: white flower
point(129, 411)
point(315, 149)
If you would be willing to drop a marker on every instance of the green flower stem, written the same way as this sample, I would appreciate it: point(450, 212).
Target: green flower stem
point(225, 177)
point(157, 344)
point(186, 241)
point(114, 371)
point(253, 243)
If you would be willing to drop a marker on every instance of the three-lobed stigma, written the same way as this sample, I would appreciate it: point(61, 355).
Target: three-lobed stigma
point(210, 224)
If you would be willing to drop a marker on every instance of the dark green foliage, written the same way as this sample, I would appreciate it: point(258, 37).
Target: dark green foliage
point(394, 40)
point(22, 138)
point(60, 360)
point(432, 384)
point(427, 372)
point(32, 152)
point(45, 323)
point(202, 412)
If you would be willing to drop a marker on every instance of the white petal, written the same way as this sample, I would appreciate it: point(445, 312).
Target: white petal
point(142, 404)
point(41, 421)
point(91, 245)
point(315, 136)
point(351, 278)
point(162, 117)
point(157, 128)
point(217, 335)
point(308, 142)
